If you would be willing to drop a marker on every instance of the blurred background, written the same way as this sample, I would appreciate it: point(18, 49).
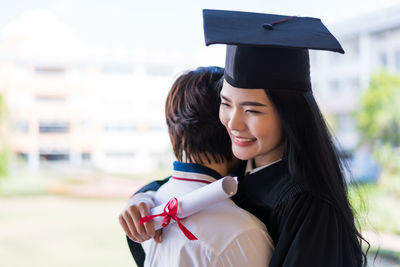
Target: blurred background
point(82, 91)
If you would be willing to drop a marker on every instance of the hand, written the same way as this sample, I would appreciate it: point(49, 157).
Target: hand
point(139, 206)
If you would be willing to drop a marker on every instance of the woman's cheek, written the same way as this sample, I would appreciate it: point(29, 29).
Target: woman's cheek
point(222, 116)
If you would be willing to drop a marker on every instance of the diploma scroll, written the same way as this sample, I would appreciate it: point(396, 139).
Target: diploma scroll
point(199, 199)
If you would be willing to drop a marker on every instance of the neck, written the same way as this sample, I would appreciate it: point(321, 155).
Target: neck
point(221, 168)
point(272, 156)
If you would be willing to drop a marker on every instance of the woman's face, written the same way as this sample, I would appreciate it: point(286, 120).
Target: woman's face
point(252, 123)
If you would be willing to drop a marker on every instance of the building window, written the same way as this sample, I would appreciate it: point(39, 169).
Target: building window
point(53, 127)
point(54, 155)
point(86, 156)
point(22, 156)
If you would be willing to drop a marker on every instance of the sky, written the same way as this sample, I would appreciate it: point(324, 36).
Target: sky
point(172, 24)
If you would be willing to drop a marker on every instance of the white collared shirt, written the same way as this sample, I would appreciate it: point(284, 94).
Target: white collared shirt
point(227, 235)
point(250, 169)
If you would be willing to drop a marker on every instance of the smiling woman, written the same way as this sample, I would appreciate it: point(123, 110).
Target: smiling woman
point(293, 180)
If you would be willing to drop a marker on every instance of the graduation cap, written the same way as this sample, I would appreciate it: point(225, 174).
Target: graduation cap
point(265, 50)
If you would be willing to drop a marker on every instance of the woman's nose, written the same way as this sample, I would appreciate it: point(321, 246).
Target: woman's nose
point(236, 122)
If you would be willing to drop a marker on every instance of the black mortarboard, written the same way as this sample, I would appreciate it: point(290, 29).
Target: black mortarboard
point(267, 51)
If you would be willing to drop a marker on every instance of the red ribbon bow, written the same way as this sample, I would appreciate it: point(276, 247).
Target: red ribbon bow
point(170, 211)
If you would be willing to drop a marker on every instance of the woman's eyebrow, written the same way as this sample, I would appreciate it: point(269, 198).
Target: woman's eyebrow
point(245, 103)
point(224, 98)
point(250, 103)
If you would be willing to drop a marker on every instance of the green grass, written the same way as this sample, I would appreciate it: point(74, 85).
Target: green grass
point(40, 229)
point(43, 230)
point(48, 231)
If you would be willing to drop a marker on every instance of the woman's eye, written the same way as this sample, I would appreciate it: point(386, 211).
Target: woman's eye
point(224, 104)
point(253, 111)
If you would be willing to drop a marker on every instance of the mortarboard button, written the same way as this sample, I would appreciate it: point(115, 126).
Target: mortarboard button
point(268, 26)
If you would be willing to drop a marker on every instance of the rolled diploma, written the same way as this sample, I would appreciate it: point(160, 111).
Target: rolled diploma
point(199, 199)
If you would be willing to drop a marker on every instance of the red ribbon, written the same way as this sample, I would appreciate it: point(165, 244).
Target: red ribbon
point(282, 20)
point(170, 211)
point(191, 180)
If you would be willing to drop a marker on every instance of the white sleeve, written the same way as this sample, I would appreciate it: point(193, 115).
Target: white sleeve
point(252, 248)
point(146, 197)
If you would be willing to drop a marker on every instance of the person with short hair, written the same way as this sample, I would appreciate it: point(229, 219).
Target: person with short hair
point(227, 235)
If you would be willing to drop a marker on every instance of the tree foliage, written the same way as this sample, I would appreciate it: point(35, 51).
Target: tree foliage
point(378, 118)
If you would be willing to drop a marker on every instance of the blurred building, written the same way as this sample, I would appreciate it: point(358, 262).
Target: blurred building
point(80, 105)
point(106, 115)
point(371, 42)
point(70, 104)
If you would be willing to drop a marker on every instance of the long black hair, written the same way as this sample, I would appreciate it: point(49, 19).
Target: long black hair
point(312, 157)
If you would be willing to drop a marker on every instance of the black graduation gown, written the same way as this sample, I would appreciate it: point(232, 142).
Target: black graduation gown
point(306, 230)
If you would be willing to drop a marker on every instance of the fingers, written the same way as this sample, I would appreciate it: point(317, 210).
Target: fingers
point(129, 219)
point(125, 227)
point(140, 233)
point(132, 230)
point(148, 226)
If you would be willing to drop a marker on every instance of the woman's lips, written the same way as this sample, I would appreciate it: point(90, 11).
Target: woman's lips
point(243, 141)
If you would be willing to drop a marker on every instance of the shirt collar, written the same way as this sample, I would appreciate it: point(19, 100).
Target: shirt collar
point(193, 170)
point(250, 166)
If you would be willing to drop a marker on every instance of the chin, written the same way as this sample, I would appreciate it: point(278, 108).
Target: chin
point(241, 155)
point(242, 158)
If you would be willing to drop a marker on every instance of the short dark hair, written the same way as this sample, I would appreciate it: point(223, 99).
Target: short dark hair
point(191, 112)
